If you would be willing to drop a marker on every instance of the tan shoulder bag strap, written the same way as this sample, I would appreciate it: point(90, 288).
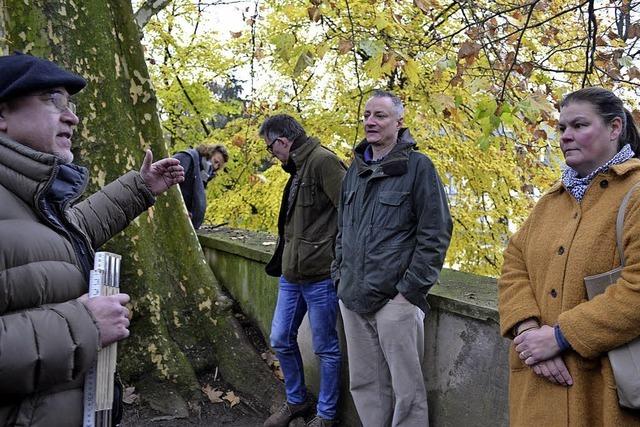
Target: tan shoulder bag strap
point(620, 221)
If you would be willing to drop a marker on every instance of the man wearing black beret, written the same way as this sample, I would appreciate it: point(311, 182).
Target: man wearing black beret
point(50, 332)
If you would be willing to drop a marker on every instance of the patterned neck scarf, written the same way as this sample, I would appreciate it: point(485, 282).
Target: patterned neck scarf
point(578, 186)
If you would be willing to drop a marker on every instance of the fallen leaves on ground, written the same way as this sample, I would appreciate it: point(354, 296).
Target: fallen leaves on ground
point(212, 393)
point(216, 396)
point(129, 396)
point(232, 398)
point(274, 364)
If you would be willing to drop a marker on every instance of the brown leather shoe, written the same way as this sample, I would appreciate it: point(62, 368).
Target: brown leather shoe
point(288, 411)
point(318, 421)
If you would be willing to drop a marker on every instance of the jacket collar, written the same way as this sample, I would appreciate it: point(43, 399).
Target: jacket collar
point(395, 163)
point(299, 154)
point(29, 174)
point(629, 166)
point(619, 170)
point(69, 184)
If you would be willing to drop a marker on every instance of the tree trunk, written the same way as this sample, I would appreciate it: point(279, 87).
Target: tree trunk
point(181, 322)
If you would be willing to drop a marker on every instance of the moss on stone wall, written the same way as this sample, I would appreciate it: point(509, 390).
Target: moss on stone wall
point(463, 293)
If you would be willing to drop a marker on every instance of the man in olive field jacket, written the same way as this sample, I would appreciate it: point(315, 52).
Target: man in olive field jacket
point(302, 261)
point(394, 229)
point(50, 332)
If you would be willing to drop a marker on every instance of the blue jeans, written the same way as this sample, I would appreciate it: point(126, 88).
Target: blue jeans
point(294, 300)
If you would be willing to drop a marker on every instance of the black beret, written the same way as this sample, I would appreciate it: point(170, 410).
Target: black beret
point(21, 74)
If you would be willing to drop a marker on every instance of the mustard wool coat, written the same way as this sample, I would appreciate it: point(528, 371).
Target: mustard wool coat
point(545, 262)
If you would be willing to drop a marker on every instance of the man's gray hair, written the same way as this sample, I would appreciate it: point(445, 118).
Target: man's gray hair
point(397, 102)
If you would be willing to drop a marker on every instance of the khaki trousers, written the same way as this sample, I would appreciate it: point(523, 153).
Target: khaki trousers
point(385, 352)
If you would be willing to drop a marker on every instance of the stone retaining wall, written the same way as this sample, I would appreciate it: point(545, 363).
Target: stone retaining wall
point(465, 366)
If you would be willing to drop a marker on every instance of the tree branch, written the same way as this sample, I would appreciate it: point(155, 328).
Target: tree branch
point(592, 31)
point(515, 57)
point(355, 64)
point(148, 10)
point(186, 93)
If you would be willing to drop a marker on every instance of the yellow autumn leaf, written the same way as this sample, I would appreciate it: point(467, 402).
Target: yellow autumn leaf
point(373, 67)
point(321, 50)
point(411, 70)
point(381, 22)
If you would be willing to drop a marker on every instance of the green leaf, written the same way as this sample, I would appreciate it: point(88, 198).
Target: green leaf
point(626, 61)
point(486, 108)
point(507, 118)
point(284, 45)
point(371, 47)
point(304, 60)
point(530, 111)
point(486, 125)
point(484, 142)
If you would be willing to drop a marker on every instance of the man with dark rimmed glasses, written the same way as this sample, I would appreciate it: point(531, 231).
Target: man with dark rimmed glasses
point(50, 332)
point(307, 226)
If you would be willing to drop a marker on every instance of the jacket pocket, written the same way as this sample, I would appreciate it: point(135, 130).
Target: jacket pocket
point(315, 257)
point(347, 209)
point(393, 209)
point(307, 193)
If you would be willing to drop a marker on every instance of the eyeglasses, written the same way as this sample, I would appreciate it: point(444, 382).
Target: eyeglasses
point(60, 101)
point(270, 146)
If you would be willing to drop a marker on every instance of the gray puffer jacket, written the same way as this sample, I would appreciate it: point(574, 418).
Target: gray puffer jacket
point(48, 339)
point(394, 229)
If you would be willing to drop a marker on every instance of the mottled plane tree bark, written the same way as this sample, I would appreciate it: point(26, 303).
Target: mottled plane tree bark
point(148, 10)
point(182, 323)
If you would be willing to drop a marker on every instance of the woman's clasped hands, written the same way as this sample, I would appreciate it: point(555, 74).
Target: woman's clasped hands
point(538, 348)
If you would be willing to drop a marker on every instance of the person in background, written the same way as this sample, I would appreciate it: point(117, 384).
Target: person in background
point(394, 229)
point(302, 261)
point(50, 331)
point(560, 374)
point(201, 165)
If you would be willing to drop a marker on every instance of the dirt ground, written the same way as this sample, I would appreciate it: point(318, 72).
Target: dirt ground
point(245, 413)
point(204, 413)
point(211, 415)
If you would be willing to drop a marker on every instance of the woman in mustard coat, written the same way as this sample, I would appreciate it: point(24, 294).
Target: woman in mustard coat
point(560, 374)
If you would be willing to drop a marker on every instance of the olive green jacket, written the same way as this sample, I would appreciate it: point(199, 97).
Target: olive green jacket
point(394, 229)
point(308, 223)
